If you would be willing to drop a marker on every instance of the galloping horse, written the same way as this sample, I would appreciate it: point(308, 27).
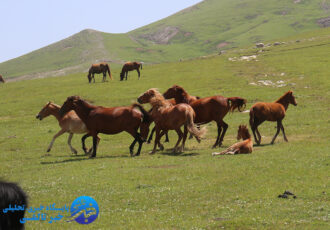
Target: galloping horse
point(129, 66)
point(99, 68)
point(1, 79)
point(208, 109)
point(69, 123)
point(113, 120)
point(170, 117)
point(245, 146)
point(274, 111)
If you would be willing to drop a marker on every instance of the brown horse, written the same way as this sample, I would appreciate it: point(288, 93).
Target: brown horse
point(245, 146)
point(170, 117)
point(129, 66)
point(110, 121)
point(99, 68)
point(69, 123)
point(275, 111)
point(1, 79)
point(208, 109)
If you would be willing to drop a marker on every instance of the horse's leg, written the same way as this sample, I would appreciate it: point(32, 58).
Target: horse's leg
point(126, 75)
point(138, 73)
point(166, 139)
point(91, 149)
point(94, 146)
point(219, 132)
point(156, 140)
point(185, 133)
point(277, 131)
point(73, 150)
point(55, 136)
point(151, 134)
point(104, 75)
point(140, 145)
point(131, 147)
point(282, 128)
point(224, 129)
point(180, 134)
point(83, 143)
point(161, 147)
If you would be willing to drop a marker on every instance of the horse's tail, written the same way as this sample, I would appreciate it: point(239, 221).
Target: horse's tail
point(109, 71)
point(252, 117)
point(236, 103)
point(191, 126)
point(146, 116)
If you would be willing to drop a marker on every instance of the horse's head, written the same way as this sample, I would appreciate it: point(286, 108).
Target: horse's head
point(291, 99)
point(44, 112)
point(243, 132)
point(173, 92)
point(146, 96)
point(69, 104)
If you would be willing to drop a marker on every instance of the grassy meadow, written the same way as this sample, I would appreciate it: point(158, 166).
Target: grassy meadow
point(192, 190)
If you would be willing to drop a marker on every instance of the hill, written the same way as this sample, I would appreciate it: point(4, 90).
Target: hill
point(202, 29)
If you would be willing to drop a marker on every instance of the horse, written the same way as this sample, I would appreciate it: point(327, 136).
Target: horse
point(208, 109)
point(274, 111)
point(129, 66)
point(1, 79)
point(245, 146)
point(99, 68)
point(69, 123)
point(13, 197)
point(170, 117)
point(109, 121)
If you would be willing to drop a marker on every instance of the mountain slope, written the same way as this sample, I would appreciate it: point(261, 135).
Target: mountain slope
point(204, 28)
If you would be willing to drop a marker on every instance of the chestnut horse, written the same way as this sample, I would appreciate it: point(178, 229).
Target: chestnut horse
point(129, 66)
point(99, 68)
point(110, 121)
point(208, 109)
point(245, 146)
point(1, 79)
point(274, 111)
point(69, 123)
point(170, 117)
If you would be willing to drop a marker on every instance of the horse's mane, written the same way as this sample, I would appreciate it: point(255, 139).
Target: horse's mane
point(184, 94)
point(158, 100)
point(284, 96)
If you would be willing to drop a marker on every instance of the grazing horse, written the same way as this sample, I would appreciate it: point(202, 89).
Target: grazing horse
point(113, 120)
point(12, 197)
point(170, 117)
point(245, 146)
point(208, 109)
point(69, 123)
point(99, 68)
point(1, 79)
point(274, 111)
point(129, 66)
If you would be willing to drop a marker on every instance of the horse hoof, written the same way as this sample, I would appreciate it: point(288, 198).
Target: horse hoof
point(92, 156)
point(161, 148)
point(48, 150)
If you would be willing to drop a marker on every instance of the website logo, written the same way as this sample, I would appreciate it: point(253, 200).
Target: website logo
point(84, 210)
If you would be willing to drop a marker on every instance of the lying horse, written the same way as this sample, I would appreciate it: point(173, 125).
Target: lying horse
point(110, 121)
point(1, 79)
point(208, 109)
point(170, 117)
point(69, 123)
point(129, 66)
point(275, 111)
point(245, 146)
point(99, 68)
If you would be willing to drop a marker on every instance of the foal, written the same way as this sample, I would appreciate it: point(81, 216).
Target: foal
point(274, 111)
point(170, 117)
point(245, 146)
point(69, 123)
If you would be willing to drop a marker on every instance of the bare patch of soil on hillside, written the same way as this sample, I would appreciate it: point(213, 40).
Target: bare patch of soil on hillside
point(162, 36)
point(222, 44)
point(324, 22)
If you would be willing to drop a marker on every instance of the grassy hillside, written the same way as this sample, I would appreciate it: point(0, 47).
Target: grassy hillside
point(202, 29)
point(192, 190)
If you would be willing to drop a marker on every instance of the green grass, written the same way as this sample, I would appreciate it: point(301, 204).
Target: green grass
point(192, 190)
point(201, 29)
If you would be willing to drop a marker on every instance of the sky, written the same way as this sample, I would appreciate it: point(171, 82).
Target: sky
point(27, 25)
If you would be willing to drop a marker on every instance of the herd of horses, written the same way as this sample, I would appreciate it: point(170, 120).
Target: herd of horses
point(104, 68)
point(170, 111)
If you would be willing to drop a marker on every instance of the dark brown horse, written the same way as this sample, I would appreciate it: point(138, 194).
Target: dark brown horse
point(274, 111)
point(245, 146)
point(99, 68)
point(170, 117)
point(1, 79)
point(208, 109)
point(129, 66)
point(110, 121)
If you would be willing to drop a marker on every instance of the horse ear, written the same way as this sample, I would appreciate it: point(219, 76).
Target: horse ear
point(290, 92)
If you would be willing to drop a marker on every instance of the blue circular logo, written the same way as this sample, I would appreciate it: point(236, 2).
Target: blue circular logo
point(84, 210)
